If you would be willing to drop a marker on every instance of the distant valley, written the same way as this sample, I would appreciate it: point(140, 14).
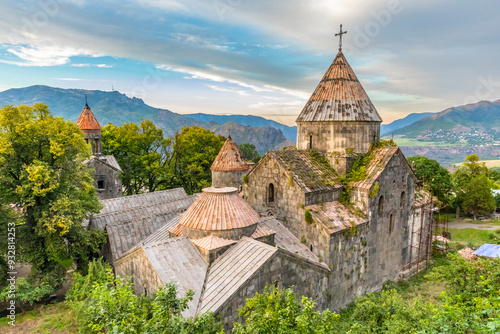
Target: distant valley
point(447, 136)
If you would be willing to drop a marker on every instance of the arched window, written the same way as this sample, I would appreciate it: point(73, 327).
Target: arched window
point(271, 193)
point(310, 142)
point(402, 201)
point(390, 223)
point(311, 247)
point(381, 204)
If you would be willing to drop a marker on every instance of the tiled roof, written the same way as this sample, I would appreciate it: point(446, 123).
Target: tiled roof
point(335, 216)
point(162, 233)
point(286, 240)
point(87, 120)
point(153, 209)
point(125, 235)
point(377, 165)
point(230, 158)
point(339, 97)
point(232, 270)
point(175, 230)
point(262, 231)
point(309, 173)
point(212, 242)
point(109, 160)
point(219, 209)
point(177, 260)
point(134, 201)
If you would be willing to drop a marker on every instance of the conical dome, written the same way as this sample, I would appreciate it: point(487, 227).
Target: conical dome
point(229, 158)
point(339, 97)
point(219, 212)
point(87, 120)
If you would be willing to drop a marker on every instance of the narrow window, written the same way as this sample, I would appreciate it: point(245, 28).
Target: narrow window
point(311, 248)
point(96, 141)
point(381, 204)
point(310, 142)
point(271, 193)
point(390, 224)
point(100, 184)
point(402, 201)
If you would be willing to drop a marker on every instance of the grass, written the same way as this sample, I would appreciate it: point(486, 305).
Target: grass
point(47, 319)
point(472, 238)
point(488, 163)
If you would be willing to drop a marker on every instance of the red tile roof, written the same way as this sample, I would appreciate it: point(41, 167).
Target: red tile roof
point(230, 158)
point(219, 209)
point(212, 242)
point(339, 97)
point(176, 230)
point(87, 120)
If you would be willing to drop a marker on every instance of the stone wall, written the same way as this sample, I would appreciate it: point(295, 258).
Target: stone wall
point(138, 266)
point(350, 276)
point(289, 203)
point(329, 137)
point(106, 180)
point(228, 178)
point(388, 239)
point(284, 270)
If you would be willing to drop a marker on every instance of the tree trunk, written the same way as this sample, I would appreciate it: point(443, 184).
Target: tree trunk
point(457, 216)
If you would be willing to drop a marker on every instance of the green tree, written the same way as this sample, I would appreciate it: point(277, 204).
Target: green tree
point(434, 176)
point(142, 152)
point(473, 187)
point(42, 172)
point(279, 311)
point(107, 304)
point(194, 151)
point(249, 152)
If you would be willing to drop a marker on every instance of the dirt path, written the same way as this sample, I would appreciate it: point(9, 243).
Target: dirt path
point(482, 226)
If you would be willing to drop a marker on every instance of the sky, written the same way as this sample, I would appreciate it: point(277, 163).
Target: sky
point(255, 57)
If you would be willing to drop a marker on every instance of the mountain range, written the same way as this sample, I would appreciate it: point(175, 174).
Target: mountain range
point(471, 124)
point(117, 108)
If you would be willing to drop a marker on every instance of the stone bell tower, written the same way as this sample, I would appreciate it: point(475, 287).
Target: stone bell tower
point(91, 129)
point(339, 119)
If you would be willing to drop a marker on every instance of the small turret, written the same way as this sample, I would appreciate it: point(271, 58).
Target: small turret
point(229, 166)
point(91, 129)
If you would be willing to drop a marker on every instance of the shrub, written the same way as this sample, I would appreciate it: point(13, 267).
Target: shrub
point(308, 217)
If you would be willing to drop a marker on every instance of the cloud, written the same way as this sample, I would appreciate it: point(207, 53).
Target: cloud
point(92, 65)
point(235, 91)
point(43, 55)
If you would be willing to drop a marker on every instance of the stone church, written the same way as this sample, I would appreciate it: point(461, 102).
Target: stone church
point(282, 222)
point(107, 170)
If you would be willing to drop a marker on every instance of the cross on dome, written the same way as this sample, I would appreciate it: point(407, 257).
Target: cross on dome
point(340, 34)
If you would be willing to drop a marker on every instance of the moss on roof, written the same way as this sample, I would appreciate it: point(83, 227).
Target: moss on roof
point(309, 169)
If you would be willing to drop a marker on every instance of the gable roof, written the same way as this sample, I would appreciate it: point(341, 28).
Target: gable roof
point(108, 160)
point(286, 240)
point(154, 209)
point(308, 173)
point(229, 158)
point(212, 242)
point(123, 236)
point(87, 120)
point(335, 216)
point(140, 200)
point(339, 97)
point(377, 164)
point(177, 260)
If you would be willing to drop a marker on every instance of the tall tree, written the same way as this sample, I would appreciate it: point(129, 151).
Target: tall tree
point(473, 187)
point(142, 152)
point(249, 152)
point(42, 172)
point(433, 175)
point(195, 149)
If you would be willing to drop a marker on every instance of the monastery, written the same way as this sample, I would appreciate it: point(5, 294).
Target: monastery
point(292, 220)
